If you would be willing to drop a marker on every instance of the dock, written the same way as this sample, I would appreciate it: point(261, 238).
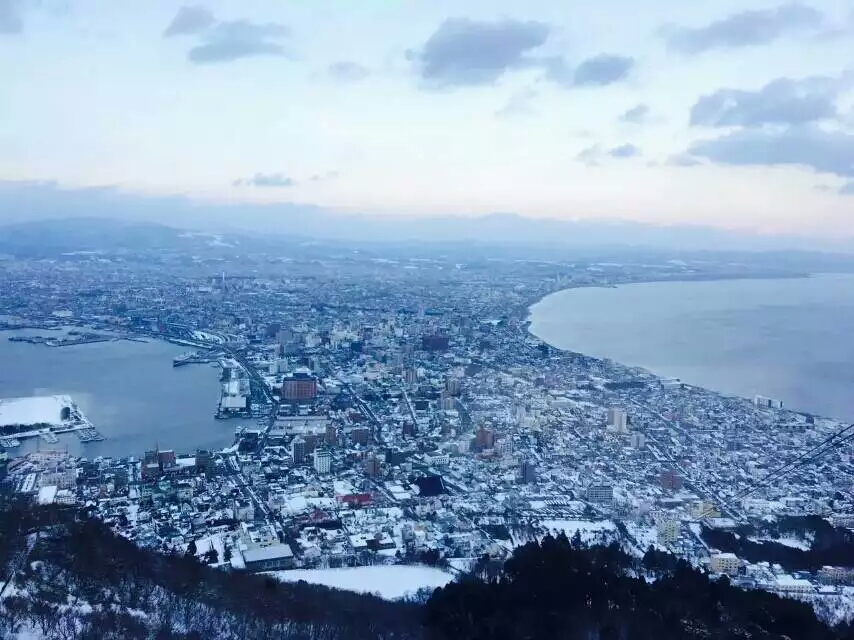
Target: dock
point(89, 434)
point(194, 357)
point(73, 422)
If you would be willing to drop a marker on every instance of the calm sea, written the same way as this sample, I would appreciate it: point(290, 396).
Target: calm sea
point(128, 390)
point(789, 339)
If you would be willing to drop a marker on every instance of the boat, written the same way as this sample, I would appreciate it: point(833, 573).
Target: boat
point(183, 359)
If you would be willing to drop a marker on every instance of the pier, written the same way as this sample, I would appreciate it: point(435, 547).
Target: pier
point(84, 431)
point(33, 417)
point(195, 357)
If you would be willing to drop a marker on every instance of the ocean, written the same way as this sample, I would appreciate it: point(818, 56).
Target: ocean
point(129, 391)
point(789, 339)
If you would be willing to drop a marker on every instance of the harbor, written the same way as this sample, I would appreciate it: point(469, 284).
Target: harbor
point(73, 340)
point(138, 400)
point(43, 417)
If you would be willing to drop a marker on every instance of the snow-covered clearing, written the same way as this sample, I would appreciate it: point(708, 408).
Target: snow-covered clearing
point(31, 411)
point(794, 543)
point(388, 581)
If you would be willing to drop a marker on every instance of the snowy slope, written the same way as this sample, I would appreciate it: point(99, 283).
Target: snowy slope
point(389, 581)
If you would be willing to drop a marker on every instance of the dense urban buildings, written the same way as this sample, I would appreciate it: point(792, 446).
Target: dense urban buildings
point(394, 408)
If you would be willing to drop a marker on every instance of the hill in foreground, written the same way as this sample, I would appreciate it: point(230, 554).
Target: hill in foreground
point(74, 578)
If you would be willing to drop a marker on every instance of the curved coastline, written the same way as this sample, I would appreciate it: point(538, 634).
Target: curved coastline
point(684, 375)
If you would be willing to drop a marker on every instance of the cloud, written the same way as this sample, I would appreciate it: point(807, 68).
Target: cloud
point(519, 104)
point(189, 19)
point(590, 156)
point(228, 41)
point(329, 175)
point(682, 160)
point(807, 146)
point(781, 101)
point(346, 71)
point(624, 151)
point(10, 17)
point(601, 70)
point(265, 180)
point(847, 189)
point(464, 52)
point(744, 29)
point(636, 115)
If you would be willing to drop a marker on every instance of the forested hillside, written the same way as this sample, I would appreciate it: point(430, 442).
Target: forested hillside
point(74, 578)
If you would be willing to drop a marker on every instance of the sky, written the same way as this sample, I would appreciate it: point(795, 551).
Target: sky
point(733, 114)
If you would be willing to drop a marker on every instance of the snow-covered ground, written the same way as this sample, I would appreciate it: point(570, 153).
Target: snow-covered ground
point(794, 543)
point(591, 532)
point(388, 581)
point(207, 337)
point(31, 411)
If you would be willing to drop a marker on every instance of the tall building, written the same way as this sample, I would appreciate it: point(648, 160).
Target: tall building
point(618, 419)
point(453, 385)
point(670, 481)
point(527, 472)
point(322, 461)
point(638, 440)
point(299, 387)
point(298, 450)
point(331, 436)
point(767, 403)
point(484, 439)
point(504, 446)
point(373, 466)
point(361, 435)
point(668, 530)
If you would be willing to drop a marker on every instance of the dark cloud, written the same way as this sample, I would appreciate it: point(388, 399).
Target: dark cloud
point(346, 71)
point(745, 29)
point(636, 115)
point(601, 70)
point(807, 146)
point(624, 151)
point(465, 52)
point(682, 160)
point(228, 41)
point(10, 17)
point(265, 180)
point(189, 19)
point(782, 101)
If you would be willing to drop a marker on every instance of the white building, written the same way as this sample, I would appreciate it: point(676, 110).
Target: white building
point(440, 460)
point(322, 461)
point(638, 440)
point(788, 584)
point(618, 419)
point(725, 563)
point(244, 510)
point(504, 447)
point(668, 530)
point(767, 403)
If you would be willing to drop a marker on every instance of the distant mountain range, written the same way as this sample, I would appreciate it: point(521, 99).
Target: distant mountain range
point(27, 202)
